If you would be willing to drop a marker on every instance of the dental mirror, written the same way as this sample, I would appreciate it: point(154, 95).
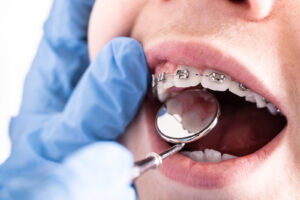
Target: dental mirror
point(184, 118)
point(188, 116)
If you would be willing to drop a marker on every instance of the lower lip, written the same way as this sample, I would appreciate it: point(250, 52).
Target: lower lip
point(206, 175)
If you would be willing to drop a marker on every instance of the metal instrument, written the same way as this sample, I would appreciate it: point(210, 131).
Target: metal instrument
point(170, 127)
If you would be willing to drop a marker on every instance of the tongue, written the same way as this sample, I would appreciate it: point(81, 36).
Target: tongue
point(241, 130)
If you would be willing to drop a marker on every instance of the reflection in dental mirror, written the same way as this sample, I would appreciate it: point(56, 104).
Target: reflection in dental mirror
point(188, 116)
point(184, 118)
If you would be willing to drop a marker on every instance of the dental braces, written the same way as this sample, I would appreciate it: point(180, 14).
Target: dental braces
point(185, 74)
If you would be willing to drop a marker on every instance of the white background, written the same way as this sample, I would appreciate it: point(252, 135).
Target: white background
point(21, 23)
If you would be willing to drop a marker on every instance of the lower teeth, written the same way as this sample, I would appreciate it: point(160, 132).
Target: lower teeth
point(209, 155)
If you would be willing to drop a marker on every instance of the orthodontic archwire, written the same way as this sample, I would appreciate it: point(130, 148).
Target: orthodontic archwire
point(184, 74)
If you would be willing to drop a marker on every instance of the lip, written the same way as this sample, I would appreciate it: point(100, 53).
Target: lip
point(181, 168)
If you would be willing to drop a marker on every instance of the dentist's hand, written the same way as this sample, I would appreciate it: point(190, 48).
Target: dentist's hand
point(62, 140)
point(102, 170)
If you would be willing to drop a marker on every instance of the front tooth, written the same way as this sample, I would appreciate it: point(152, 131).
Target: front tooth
point(209, 155)
point(161, 93)
point(168, 83)
point(226, 156)
point(212, 155)
point(238, 89)
point(191, 122)
point(174, 106)
point(193, 79)
point(197, 156)
point(211, 80)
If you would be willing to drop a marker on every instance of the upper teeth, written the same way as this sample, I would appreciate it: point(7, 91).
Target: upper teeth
point(186, 76)
point(215, 80)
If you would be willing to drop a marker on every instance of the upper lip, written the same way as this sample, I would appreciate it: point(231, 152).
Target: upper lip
point(203, 55)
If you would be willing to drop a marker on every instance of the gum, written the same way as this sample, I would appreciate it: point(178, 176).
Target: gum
point(167, 67)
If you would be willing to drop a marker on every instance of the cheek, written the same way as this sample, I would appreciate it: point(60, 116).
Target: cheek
point(110, 19)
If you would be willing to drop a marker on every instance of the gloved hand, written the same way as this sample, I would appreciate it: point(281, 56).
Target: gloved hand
point(71, 113)
point(99, 171)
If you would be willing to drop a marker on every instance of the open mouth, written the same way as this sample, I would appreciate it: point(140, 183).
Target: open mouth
point(249, 123)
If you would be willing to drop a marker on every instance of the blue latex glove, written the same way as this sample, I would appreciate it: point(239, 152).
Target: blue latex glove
point(62, 140)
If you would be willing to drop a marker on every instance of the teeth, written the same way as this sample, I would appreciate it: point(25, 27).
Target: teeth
point(168, 83)
point(260, 101)
point(215, 80)
point(209, 155)
point(197, 156)
point(191, 122)
point(238, 89)
point(186, 80)
point(174, 106)
point(212, 155)
point(186, 76)
point(161, 93)
point(226, 156)
point(255, 98)
point(272, 109)
point(250, 97)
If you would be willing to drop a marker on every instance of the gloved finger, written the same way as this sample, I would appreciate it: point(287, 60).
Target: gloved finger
point(102, 170)
point(103, 104)
point(61, 59)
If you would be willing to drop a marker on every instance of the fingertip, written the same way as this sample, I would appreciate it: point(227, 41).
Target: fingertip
point(130, 54)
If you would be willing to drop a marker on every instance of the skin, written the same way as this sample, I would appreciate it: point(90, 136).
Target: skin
point(262, 34)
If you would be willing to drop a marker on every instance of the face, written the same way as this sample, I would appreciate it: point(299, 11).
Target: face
point(256, 43)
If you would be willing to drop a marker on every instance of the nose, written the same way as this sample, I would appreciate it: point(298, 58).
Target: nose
point(257, 9)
